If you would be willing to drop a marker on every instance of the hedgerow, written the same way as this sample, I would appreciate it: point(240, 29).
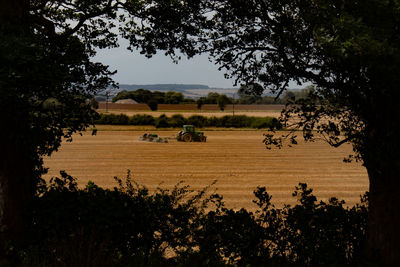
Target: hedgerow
point(141, 120)
point(240, 121)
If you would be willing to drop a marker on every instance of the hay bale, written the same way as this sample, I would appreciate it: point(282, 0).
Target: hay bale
point(126, 101)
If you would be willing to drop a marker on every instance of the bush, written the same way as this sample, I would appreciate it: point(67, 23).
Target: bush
point(197, 121)
point(162, 122)
point(260, 123)
point(113, 119)
point(213, 122)
point(240, 121)
point(128, 226)
point(311, 233)
point(153, 104)
point(177, 120)
point(142, 119)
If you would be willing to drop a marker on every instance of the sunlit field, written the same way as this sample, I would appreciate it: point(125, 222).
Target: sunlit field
point(238, 160)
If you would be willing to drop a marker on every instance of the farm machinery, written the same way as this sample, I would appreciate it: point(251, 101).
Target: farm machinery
point(188, 134)
point(153, 138)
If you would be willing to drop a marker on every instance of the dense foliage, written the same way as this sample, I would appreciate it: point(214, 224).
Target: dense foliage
point(144, 96)
point(222, 101)
point(350, 51)
point(129, 226)
point(48, 76)
point(177, 120)
point(153, 104)
point(246, 96)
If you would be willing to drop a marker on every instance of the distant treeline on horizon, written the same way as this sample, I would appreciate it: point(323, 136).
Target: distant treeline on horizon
point(163, 87)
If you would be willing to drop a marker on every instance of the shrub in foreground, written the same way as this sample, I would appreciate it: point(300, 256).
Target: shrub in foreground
point(129, 226)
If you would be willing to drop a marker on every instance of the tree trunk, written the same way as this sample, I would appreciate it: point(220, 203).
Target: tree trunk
point(383, 234)
point(14, 9)
point(16, 168)
point(16, 180)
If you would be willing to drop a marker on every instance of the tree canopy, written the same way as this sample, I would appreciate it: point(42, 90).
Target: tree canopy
point(350, 51)
point(47, 80)
point(143, 96)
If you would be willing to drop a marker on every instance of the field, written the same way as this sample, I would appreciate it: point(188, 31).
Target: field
point(238, 161)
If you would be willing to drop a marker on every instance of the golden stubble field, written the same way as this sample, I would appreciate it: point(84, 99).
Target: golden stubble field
point(238, 161)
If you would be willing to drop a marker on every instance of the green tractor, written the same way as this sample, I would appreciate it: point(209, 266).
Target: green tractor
point(188, 134)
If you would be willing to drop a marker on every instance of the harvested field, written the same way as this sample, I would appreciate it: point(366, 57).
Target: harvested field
point(237, 159)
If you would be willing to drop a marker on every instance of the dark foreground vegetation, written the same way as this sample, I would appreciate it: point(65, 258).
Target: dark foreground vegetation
point(240, 121)
point(128, 226)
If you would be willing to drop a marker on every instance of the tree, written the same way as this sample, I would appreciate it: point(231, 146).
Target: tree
point(222, 101)
point(140, 95)
point(212, 98)
point(289, 97)
point(122, 95)
point(47, 79)
point(47, 76)
point(199, 103)
point(350, 50)
point(173, 97)
point(153, 104)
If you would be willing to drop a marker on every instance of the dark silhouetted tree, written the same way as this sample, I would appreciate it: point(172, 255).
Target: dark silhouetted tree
point(199, 103)
point(350, 50)
point(153, 104)
point(47, 76)
point(173, 98)
point(222, 101)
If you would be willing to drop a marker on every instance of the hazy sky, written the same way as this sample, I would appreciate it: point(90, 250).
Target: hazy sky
point(133, 68)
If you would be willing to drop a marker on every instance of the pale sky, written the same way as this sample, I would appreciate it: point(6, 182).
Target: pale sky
point(133, 68)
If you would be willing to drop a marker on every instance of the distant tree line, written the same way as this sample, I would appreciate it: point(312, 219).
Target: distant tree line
point(153, 98)
point(178, 120)
point(146, 96)
point(290, 96)
point(246, 98)
point(163, 87)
